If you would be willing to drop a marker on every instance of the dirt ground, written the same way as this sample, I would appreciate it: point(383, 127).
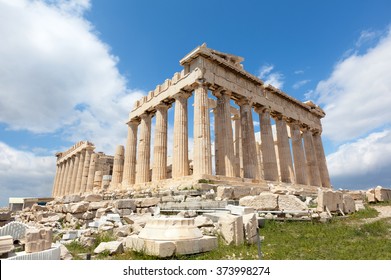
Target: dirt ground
point(384, 212)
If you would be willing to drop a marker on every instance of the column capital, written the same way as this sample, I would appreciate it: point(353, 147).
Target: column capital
point(182, 94)
point(133, 122)
point(162, 106)
point(244, 101)
point(201, 83)
point(262, 109)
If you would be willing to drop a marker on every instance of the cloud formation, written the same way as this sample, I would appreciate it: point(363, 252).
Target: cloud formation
point(271, 77)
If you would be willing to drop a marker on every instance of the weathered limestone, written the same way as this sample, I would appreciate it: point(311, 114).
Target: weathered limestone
point(180, 162)
point(332, 200)
point(298, 154)
point(6, 244)
point(321, 159)
point(129, 175)
point(91, 172)
point(144, 151)
point(382, 194)
point(263, 201)
point(86, 167)
point(312, 164)
point(38, 239)
point(202, 150)
point(79, 174)
point(159, 170)
point(118, 167)
point(231, 228)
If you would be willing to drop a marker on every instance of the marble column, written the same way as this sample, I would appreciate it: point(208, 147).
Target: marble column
point(226, 144)
point(250, 161)
point(64, 164)
point(69, 175)
point(237, 145)
point(219, 156)
point(284, 151)
point(202, 161)
point(86, 167)
point(321, 158)
point(159, 168)
point(129, 175)
point(80, 171)
point(91, 172)
point(269, 159)
point(118, 167)
point(312, 164)
point(56, 178)
point(74, 173)
point(144, 150)
point(298, 154)
point(180, 158)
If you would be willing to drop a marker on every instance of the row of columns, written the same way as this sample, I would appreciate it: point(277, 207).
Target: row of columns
point(237, 152)
point(76, 173)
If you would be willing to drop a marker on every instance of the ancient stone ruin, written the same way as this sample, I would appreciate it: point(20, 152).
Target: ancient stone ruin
point(216, 81)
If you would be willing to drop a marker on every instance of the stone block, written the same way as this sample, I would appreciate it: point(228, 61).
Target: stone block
point(93, 197)
point(239, 210)
point(113, 247)
point(5, 216)
point(291, 203)
point(264, 201)
point(250, 225)
point(333, 200)
point(215, 216)
point(125, 204)
point(231, 228)
point(208, 243)
point(148, 202)
point(38, 239)
point(370, 195)
point(224, 192)
point(187, 247)
point(72, 198)
point(241, 191)
point(88, 215)
point(6, 244)
point(79, 207)
point(202, 221)
point(95, 205)
point(114, 218)
point(349, 206)
point(359, 205)
point(382, 194)
point(123, 231)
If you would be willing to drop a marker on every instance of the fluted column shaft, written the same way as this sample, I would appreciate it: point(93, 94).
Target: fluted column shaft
point(284, 151)
point(91, 172)
point(298, 154)
point(144, 149)
point(321, 159)
point(237, 145)
point(159, 168)
point(312, 164)
point(74, 173)
point(69, 175)
point(219, 156)
point(86, 167)
point(226, 143)
point(118, 167)
point(56, 179)
point(80, 171)
point(269, 159)
point(250, 161)
point(180, 159)
point(65, 164)
point(129, 175)
point(202, 161)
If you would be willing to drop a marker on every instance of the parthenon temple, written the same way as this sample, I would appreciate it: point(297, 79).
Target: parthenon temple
point(216, 140)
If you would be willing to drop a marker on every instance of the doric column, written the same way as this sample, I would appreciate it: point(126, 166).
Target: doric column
point(321, 158)
point(219, 157)
point(202, 161)
point(298, 154)
point(118, 167)
point(64, 164)
point(225, 140)
point(144, 149)
point(237, 145)
point(56, 179)
point(250, 160)
point(312, 164)
point(159, 168)
point(80, 171)
point(180, 159)
point(269, 159)
point(74, 173)
point(91, 172)
point(98, 178)
point(86, 167)
point(284, 151)
point(129, 176)
point(69, 175)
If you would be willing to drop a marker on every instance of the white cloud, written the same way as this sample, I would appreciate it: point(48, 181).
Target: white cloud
point(56, 74)
point(24, 174)
point(275, 79)
point(362, 162)
point(357, 96)
point(301, 83)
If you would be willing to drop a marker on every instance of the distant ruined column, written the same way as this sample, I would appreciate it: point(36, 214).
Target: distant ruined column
point(144, 149)
point(284, 151)
point(298, 154)
point(250, 161)
point(237, 145)
point(80, 171)
point(91, 172)
point(202, 161)
point(86, 168)
point(321, 159)
point(180, 159)
point(55, 184)
point(269, 159)
point(312, 164)
point(129, 176)
point(226, 145)
point(118, 167)
point(159, 169)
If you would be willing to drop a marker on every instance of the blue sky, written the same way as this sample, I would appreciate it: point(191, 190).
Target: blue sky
point(71, 70)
